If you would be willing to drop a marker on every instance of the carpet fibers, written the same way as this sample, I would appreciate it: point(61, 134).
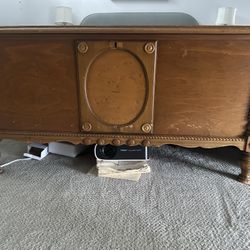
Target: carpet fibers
point(190, 200)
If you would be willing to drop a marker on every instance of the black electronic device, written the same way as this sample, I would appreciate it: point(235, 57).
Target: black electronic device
point(121, 153)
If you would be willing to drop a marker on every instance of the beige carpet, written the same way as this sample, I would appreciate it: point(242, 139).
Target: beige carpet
point(190, 200)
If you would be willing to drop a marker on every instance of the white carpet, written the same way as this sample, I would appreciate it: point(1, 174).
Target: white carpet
point(189, 201)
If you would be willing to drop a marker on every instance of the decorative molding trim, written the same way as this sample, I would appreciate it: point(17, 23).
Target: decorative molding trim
point(146, 140)
point(216, 30)
point(169, 137)
point(141, 66)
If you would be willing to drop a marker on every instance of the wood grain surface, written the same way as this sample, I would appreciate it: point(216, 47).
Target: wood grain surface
point(202, 81)
point(159, 30)
point(38, 87)
point(117, 81)
point(108, 74)
point(202, 87)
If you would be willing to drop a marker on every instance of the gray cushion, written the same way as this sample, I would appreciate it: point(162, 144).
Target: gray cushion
point(140, 19)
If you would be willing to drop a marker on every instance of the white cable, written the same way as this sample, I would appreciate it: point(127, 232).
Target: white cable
point(6, 164)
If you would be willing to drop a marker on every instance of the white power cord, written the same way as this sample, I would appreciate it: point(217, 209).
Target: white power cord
point(35, 151)
point(6, 164)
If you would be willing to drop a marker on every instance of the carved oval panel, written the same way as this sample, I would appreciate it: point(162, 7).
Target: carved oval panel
point(116, 87)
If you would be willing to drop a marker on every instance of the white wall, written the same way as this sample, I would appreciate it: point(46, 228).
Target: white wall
point(41, 12)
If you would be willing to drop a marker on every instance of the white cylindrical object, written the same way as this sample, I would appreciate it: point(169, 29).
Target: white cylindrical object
point(63, 15)
point(226, 16)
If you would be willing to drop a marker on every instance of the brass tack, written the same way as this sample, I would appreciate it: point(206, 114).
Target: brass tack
point(83, 47)
point(86, 126)
point(146, 128)
point(149, 48)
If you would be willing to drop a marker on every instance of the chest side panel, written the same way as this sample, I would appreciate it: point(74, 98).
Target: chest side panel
point(38, 86)
point(202, 86)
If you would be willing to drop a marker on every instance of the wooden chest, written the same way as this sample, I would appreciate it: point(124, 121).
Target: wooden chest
point(151, 86)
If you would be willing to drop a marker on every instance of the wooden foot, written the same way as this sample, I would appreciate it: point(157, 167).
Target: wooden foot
point(244, 177)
